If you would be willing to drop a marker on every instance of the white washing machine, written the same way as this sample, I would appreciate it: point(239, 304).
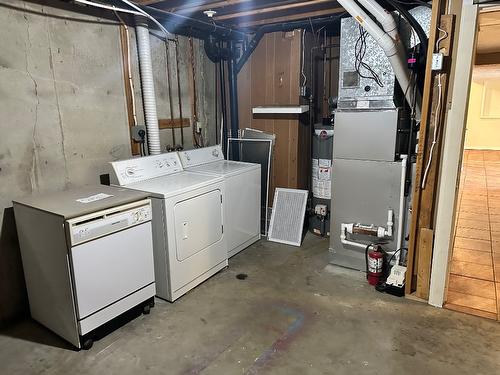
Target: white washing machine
point(242, 183)
point(188, 235)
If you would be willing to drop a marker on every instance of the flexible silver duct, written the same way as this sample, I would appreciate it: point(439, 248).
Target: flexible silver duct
point(147, 83)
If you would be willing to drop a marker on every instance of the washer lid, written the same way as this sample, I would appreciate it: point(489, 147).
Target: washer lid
point(167, 186)
point(225, 167)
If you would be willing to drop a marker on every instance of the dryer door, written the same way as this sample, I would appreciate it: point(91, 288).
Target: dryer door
point(198, 223)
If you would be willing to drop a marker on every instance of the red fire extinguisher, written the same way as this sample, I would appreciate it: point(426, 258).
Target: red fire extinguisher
point(375, 266)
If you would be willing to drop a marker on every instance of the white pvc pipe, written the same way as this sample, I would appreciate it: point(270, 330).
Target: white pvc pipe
point(384, 17)
point(148, 89)
point(404, 163)
point(390, 223)
point(395, 56)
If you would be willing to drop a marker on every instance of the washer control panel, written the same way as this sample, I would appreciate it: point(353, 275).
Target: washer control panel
point(192, 158)
point(139, 169)
point(96, 225)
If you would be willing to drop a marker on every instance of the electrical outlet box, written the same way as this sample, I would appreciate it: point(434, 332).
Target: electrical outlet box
point(321, 209)
point(437, 61)
point(136, 132)
point(198, 127)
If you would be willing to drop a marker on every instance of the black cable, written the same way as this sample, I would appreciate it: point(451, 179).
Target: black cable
point(415, 2)
point(422, 36)
point(359, 53)
point(394, 254)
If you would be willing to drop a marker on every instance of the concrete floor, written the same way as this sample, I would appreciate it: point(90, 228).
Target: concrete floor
point(294, 314)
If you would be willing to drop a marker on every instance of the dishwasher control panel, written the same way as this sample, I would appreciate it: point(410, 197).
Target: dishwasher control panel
point(102, 223)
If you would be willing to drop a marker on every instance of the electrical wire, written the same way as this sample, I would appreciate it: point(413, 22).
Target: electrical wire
point(436, 114)
point(303, 57)
point(108, 7)
point(394, 254)
point(436, 132)
point(138, 12)
point(415, 2)
point(441, 38)
point(168, 35)
point(359, 54)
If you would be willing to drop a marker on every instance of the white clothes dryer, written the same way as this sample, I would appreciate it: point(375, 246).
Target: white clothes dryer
point(189, 242)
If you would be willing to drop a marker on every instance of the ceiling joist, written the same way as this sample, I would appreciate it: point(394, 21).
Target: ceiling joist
point(254, 12)
point(293, 17)
point(206, 6)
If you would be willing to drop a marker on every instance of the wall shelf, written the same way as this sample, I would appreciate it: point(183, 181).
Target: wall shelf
point(270, 109)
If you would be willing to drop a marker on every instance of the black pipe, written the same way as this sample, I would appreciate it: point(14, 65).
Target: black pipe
point(301, 24)
point(422, 36)
point(222, 71)
point(233, 101)
point(252, 44)
point(215, 52)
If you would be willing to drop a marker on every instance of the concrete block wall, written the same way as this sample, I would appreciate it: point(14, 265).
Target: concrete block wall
point(63, 110)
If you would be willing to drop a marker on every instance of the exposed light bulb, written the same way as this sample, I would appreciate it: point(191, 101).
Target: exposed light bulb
point(209, 13)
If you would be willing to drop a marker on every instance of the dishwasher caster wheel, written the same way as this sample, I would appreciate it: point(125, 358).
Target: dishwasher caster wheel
point(87, 343)
point(146, 309)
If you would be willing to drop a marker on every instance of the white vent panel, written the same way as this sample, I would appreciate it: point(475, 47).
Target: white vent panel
point(287, 218)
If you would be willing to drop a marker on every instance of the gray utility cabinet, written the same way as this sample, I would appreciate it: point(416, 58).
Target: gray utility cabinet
point(366, 178)
point(368, 135)
point(362, 191)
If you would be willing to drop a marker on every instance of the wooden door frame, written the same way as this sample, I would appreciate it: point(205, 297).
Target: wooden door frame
point(453, 144)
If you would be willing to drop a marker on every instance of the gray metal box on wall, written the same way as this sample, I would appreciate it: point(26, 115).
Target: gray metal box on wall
point(366, 135)
point(362, 191)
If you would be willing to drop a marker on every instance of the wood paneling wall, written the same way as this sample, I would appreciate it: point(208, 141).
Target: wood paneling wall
point(272, 76)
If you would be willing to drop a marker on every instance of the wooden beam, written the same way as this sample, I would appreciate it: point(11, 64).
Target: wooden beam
point(135, 146)
point(424, 199)
point(419, 165)
point(175, 123)
point(206, 6)
point(294, 17)
point(270, 9)
point(424, 259)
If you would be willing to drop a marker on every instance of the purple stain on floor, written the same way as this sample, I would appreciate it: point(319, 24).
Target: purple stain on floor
point(283, 341)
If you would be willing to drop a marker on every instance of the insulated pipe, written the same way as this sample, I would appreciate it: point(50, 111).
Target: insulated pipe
point(372, 230)
point(345, 241)
point(147, 83)
point(397, 61)
point(404, 163)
